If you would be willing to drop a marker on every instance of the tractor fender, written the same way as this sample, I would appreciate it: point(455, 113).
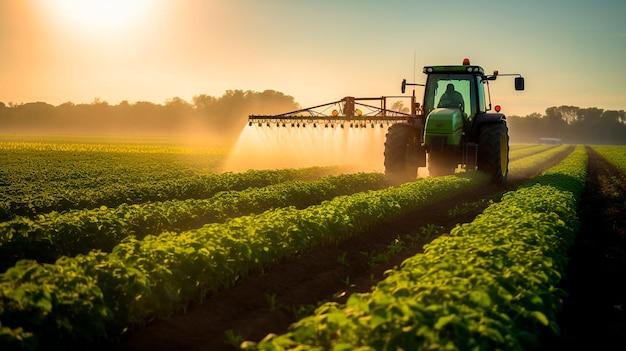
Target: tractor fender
point(489, 118)
point(485, 118)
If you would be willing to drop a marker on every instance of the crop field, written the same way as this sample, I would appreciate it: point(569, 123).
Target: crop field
point(152, 246)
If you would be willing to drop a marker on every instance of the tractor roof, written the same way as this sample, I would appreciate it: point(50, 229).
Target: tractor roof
point(454, 69)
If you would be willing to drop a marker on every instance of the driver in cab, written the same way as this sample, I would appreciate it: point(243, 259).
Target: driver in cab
point(451, 98)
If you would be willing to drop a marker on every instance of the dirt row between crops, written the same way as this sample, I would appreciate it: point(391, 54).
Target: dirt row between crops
point(265, 303)
point(594, 316)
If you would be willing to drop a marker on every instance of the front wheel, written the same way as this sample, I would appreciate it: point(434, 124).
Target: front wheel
point(493, 151)
point(401, 145)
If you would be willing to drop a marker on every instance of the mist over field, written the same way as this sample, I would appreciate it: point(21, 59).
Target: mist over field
point(223, 121)
point(206, 117)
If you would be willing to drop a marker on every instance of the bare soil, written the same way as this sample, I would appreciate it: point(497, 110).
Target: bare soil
point(593, 317)
point(268, 302)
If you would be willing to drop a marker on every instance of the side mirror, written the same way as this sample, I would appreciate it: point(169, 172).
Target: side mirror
point(403, 89)
point(519, 83)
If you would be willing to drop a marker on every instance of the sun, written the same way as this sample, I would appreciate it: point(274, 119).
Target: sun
point(107, 16)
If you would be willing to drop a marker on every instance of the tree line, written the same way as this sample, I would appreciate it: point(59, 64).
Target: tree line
point(570, 124)
point(225, 116)
point(220, 116)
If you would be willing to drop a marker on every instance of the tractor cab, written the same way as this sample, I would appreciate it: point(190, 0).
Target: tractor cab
point(454, 99)
point(444, 81)
point(457, 127)
point(453, 96)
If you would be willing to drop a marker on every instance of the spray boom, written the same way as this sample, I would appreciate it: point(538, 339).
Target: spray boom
point(349, 110)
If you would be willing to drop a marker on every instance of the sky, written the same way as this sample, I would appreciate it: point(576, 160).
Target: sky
point(56, 51)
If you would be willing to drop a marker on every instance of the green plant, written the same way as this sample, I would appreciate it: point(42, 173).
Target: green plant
point(430, 231)
point(371, 259)
point(271, 301)
point(395, 247)
point(373, 279)
point(343, 260)
point(302, 311)
point(233, 338)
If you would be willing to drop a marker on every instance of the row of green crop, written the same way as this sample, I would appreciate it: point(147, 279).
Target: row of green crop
point(519, 146)
point(48, 175)
point(535, 159)
point(37, 178)
point(47, 237)
point(519, 152)
point(95, 297)
point(32, 198)
point(107, 145)
point(615, 154)
point(489, 285)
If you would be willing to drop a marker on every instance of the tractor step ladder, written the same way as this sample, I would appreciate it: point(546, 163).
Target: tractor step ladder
point(470, 156)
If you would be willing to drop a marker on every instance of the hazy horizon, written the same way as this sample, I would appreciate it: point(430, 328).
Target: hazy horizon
point(55, 51)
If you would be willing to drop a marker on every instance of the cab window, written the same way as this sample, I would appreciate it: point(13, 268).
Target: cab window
point(461, 84)
point(481, 94)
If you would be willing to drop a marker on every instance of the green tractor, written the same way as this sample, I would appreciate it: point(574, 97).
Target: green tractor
point(452, 127)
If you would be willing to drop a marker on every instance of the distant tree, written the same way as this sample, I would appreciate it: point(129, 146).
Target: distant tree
point(39, 116)
point(569, 114)
point(399, 106)
point(554, 125)
point(610, 129)
point(585, 129)
point(622, 117)
point(572, 124)
point(203, 102)
point(525, 129)
point(231, 110)
point(177, 103)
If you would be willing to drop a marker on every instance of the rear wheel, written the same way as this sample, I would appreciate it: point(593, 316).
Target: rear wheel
point(493, 151)
point(401, 146)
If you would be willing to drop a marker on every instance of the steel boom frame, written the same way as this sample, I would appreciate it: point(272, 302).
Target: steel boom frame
point(346, 110)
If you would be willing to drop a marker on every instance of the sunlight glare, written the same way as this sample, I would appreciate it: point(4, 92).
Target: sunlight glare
point(99, 15)
point(360, 150)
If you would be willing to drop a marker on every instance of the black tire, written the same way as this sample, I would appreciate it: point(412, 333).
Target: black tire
point(441, 163)
point(401, 140)
point(493, 151)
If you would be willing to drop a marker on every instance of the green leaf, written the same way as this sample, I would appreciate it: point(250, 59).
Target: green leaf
point(443, 321)
point(540, 317)
point(343, 347)
point(44, 304)
point(481, 298)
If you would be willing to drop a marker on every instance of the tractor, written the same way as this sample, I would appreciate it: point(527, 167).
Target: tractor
point(452, 127)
